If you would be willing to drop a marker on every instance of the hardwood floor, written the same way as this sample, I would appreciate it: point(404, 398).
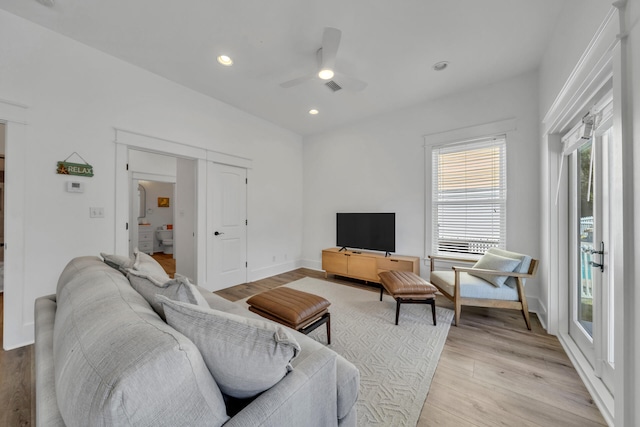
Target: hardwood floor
point(492, 371)
point(17, 383)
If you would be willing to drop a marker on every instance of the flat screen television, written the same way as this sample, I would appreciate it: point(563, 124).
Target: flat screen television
point(373, 231)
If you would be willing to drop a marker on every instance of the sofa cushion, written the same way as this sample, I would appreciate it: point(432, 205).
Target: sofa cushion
point(119, 262)
point(472, 286)
point(145, 264)
point(245, 356)
point(490, 261)
point(178, 289)
point(117, 363)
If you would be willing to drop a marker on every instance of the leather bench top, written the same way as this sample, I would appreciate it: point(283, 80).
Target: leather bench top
point(406, 283)
point(291, 306)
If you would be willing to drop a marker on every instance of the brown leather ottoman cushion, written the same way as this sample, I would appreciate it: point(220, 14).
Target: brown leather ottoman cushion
point(290, 306)
point(406, 284)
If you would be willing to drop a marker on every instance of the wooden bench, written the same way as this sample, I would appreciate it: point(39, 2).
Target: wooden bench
point(407, 287)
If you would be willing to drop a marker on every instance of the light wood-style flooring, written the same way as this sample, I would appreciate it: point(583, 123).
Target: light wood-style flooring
point(492, 371)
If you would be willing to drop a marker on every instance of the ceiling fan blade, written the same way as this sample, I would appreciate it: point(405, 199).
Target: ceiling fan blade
point(349, 83)
point(330, 43)
point(297, 81)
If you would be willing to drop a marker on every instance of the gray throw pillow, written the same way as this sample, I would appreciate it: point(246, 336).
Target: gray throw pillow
point(178, 289)
point(144, 263)
point(119, 262)
point(490, 261)
point(245, 356)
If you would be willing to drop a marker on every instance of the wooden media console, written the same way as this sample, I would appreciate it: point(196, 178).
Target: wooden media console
point(365, 265)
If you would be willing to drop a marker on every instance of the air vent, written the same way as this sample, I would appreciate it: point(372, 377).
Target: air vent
point(333, 85)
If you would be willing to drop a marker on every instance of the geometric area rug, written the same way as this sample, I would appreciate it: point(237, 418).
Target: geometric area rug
point(396, 363)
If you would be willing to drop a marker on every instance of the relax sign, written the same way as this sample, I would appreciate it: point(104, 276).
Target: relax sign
point(79, 169)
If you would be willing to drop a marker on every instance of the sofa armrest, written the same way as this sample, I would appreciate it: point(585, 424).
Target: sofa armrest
point(47, 413)
point(307, 394)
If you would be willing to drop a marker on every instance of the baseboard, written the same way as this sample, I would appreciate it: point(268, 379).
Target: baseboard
point(536, 306)
point(311, 264)
point(273, 270)
point(596, 388)
point(27, 337)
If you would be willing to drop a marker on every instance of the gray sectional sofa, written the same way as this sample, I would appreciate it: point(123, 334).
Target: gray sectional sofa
point(104, 357)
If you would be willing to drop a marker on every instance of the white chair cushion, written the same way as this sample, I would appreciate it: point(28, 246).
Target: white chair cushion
point(472, 286)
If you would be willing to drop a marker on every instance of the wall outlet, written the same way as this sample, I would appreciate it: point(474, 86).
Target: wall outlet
point(96, 212)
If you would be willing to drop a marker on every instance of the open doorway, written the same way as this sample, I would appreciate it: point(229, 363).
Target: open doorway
point(156, 213)
point(162, 213)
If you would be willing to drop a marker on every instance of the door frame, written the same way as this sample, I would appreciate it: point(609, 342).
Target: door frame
point(125, 140)
point(17, 332)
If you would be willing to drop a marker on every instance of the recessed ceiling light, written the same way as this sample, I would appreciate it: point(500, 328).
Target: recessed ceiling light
point(225, 60)
point(439, 66)
point(313, 111)
point(325, 74)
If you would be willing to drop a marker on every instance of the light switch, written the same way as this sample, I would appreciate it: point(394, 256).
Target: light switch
point(96, 212)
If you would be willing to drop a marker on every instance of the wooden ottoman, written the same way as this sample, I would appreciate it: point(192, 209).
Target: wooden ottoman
point(298, 310)
point(407, 287)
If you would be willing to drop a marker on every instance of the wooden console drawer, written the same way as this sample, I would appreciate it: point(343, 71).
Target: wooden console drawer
point(394, 264)
point(363, 267)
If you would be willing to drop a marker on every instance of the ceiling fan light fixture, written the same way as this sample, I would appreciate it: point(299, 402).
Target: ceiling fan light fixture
point(313, 111)
point(225, 60)
point(326, 74)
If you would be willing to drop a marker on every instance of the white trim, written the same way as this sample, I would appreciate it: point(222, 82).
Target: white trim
point(598, 49)
point(17, 329)
point(154, 144)
point(142, 176)
point(596, 388)
point(485, 130)
point(12, 111)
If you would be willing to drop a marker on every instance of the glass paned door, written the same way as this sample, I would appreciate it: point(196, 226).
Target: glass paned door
point(591, 317)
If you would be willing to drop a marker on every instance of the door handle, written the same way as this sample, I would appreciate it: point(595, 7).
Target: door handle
point(217, 233)
point(601, 253)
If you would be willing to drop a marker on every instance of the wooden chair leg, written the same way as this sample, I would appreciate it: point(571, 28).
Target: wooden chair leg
point(523, 301)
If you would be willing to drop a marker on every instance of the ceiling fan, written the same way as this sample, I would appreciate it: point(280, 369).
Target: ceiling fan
point(326, 56)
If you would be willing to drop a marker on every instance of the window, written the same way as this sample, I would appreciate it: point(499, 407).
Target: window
point(469, 196)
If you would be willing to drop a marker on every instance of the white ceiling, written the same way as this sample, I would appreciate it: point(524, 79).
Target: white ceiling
point(390, 44)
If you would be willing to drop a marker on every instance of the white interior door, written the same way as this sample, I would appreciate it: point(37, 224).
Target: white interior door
point(227, 226)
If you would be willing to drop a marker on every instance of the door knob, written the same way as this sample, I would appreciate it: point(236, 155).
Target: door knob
point(217, 233)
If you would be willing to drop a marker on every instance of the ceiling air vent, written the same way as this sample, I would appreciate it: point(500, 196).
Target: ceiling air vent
point(333, 85)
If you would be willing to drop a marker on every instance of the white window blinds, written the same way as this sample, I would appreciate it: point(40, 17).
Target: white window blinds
point(469, 196)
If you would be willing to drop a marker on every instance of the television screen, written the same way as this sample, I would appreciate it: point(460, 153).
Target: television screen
point(374, 231)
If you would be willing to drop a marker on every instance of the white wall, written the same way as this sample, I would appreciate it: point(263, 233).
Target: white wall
point(378, 165)
point(75, 97)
